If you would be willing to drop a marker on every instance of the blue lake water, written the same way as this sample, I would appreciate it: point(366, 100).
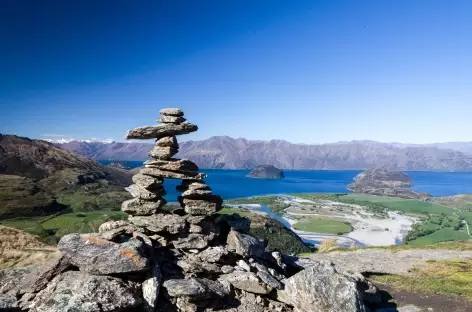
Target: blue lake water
point(234, 183)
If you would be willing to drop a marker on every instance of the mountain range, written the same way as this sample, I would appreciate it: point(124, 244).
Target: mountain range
point(228, 153)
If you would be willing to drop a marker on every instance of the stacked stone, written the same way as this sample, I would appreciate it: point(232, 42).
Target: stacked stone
point(189, 260)
point(196, 198)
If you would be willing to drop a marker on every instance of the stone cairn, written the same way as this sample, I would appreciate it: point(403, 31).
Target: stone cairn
point(187, 259)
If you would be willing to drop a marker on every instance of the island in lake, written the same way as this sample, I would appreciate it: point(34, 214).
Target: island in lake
point(266, 172)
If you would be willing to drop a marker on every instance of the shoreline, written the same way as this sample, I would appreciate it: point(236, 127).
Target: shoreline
point(367, 231)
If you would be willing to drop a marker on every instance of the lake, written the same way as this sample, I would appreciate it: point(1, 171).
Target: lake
point(234, 183)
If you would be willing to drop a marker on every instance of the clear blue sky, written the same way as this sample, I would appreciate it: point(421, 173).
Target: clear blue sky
point(305, 71)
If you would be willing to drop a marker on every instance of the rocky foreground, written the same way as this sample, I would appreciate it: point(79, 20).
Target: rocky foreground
point(385, 182)
point(186, 260)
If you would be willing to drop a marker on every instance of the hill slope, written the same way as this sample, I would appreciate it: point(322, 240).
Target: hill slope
point(228, 153)
point(39, 178)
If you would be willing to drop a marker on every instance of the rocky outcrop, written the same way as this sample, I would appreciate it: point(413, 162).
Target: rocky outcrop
point(186, 261)
point(384, 182)
point(266, 172)
point(321, 288)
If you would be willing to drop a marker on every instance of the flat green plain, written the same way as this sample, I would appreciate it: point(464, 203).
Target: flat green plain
point(323, 225)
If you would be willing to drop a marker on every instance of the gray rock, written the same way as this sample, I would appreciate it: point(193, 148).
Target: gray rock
point(247, 281)
point(163, 152)
point(195, 194)
point(142, 193)
point(11, 280)
point(171, 119)
point(161, 130)
point(37, 280)
point(99, 256)
point(161, 223)
point(150, 288)
point(7, 303)
point(207, 206)
point(79, 291)
point(215, 288)
point(155, 172)
point(269, 280)
point(213, 254)
point(171, 112)
point(227, 269)
point(113, 229)
point(275, 274)
point(168, 141)
point(279, 259)
point(147, 182)
point(236, 222)
point(195, 228)
point(180, 165)
point(193, 241)
point(185, 288)
point(192, 185)
point(139, 207)
point(196, 267)
point(244, 245)
point(243, 265)
point(320, 288)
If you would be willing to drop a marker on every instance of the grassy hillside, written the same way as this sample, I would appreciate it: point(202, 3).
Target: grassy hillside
point(275, 233)
point(51, 228)
point(19, 249)
point(38, 178)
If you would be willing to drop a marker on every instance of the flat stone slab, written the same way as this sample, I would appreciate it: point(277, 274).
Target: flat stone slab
point(79, 291)
point(158, 173)
point(247, 281)
point(171, 119)
point(140, 207)
point(161, 130)
point(147, 182)
point(161, 223)
point(207, 205)
point(185, 287)
point(140, 192)
point(95, 255)
point(163, 152)
point(171, 112)
point(181, 165)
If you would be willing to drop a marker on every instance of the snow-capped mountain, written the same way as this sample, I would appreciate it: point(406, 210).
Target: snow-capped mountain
point(93, 140)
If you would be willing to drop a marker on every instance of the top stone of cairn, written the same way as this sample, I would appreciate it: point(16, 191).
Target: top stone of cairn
point(170, 124)
point(176, 112)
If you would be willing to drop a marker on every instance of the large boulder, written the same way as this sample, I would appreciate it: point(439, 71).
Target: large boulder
point(95, 255)
point(80, 291)
point(320, 288)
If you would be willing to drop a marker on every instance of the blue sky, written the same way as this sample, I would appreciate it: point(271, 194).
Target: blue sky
point(304, 71)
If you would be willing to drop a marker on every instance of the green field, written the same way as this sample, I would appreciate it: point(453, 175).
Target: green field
point(441, 235)
point(51, 228)
point(323, 225)
point(271, 201)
